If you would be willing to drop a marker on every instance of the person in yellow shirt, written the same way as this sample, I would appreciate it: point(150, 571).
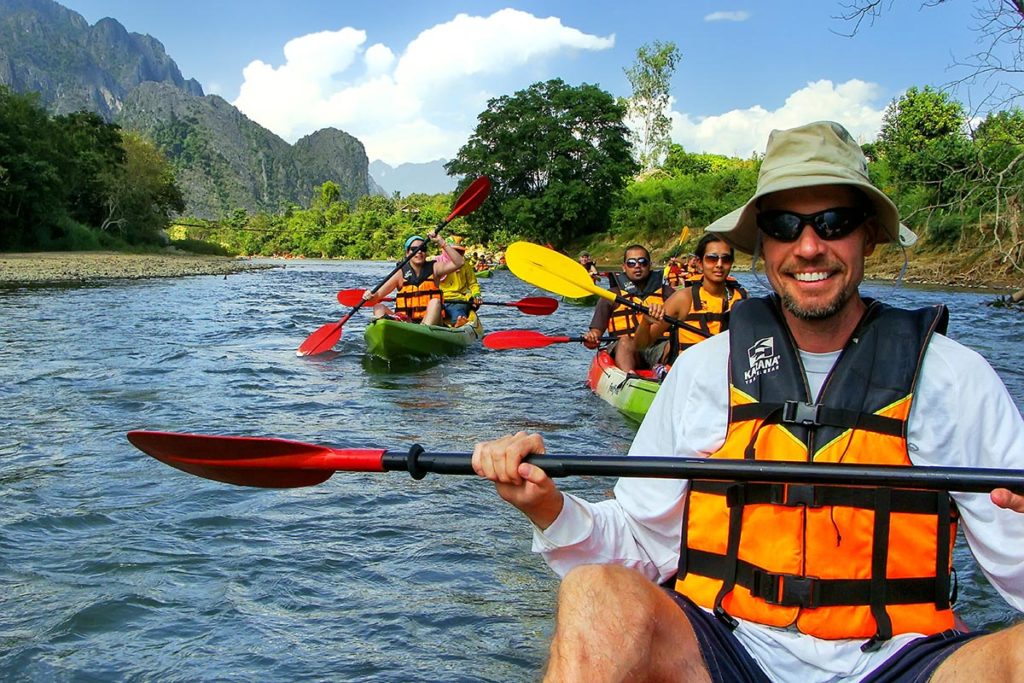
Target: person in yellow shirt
point(461, 291)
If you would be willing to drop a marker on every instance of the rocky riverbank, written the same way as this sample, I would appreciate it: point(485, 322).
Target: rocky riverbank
point(89, 266)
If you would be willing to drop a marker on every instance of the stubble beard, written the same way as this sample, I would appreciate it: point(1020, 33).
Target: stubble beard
point(820, 312)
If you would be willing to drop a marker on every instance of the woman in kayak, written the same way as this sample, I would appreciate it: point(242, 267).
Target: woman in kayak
point(460, 290)
point(704, 304)
point(419, 296)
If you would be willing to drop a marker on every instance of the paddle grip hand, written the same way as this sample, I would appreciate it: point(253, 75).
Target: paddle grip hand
point(1005, 498)
point(525, 486)
point(655, 312)
point(592, 339)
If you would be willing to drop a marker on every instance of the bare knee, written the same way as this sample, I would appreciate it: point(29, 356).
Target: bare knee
point(608, 589)
point(995, 657)
point(625, 353)
point(615, 624)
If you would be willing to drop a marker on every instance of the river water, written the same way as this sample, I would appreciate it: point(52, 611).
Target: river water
point(116, 567)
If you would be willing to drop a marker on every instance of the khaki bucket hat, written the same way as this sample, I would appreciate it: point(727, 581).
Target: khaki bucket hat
point(820, 153)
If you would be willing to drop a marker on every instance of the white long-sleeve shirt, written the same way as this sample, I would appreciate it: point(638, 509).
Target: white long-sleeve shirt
point(961, 416)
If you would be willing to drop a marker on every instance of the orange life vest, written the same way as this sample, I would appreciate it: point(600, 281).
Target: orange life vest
point(835, 561)
point(623, 320)
point(412, 298)
point(710, 314)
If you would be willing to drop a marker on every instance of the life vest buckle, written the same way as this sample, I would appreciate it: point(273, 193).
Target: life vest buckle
point(793, 495)
point(786, 590)
point(798, 412)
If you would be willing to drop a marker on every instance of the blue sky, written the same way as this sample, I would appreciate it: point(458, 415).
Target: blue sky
point(409, 78)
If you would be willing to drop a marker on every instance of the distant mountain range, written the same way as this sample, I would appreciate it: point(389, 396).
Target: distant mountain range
point(406, 179)
point(223, 160)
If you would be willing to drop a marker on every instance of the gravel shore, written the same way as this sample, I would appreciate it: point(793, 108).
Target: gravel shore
point(89, 266)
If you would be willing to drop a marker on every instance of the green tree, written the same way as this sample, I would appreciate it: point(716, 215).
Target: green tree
point(650, 78)
point(32, 193)
point(557, 156)
point(141, 194)
point(924, 143)
point(92, 153)
point(999, 139)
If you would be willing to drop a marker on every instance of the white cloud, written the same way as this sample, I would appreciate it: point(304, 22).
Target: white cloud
point(469, 45)
point(379, 59)
point(742, 132)
point(739, 15)
point(414, 106)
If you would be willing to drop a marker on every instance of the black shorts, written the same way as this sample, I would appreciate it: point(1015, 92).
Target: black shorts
point(727, 661)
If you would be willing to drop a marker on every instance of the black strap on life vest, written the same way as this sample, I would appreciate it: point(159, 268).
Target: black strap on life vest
point(879, 562)
point(816, 415)
point(907, 501)
point(731, 568)
point(808, 592)
point(791, 590)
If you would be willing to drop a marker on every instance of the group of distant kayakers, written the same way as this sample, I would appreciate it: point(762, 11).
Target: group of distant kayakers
point(695, 296)
point(436, 291)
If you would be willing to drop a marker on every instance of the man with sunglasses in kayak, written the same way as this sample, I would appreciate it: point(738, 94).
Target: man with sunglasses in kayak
point(713, 581)
point(704, 304)
point(639, 284)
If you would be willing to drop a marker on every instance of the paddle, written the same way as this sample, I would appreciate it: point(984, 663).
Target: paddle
point(684, 234)
point(557, 273)
point(324, 338)
point(531, 305)
point(528, 339)
point(277, 463)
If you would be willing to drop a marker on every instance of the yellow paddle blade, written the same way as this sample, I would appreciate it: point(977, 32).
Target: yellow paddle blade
point(547, 269)
point(684, 234)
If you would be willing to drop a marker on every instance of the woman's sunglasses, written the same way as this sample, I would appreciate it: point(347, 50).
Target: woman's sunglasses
point(634, 262)
point(830, 224)
point(724, 259)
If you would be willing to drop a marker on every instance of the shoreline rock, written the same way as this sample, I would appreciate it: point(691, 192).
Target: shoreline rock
point(42, 268)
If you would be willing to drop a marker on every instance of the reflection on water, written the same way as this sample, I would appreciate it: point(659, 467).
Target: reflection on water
point(113, 566)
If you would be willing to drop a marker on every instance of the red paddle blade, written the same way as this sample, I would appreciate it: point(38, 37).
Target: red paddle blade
point(520, 339)
point(536, 305)
point(254, 461)
point(352, 297)
point(471, 198)
point(322, 340)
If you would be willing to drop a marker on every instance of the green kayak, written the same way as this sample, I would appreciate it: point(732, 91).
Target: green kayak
point(393, 339)
point(485, 273)
point(630, 392)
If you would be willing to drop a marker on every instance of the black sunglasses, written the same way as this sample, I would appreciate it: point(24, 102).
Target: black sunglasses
point(634, 262)
point(724, 259)
point(830, 224)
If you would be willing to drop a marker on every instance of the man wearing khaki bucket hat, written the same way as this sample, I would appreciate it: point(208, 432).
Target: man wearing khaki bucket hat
point(678, 580)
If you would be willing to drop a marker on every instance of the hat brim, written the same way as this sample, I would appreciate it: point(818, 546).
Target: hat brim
point(739, 227)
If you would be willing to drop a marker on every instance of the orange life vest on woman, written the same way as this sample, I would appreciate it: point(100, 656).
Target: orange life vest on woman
point(412, 298)
point(710, 314)
point(835, 561)
point(623, 320)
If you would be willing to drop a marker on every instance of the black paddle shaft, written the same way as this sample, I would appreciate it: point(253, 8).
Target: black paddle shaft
point(419, 462)
point(674, 322)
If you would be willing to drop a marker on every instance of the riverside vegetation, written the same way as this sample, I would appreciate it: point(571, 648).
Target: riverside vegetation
point(75, 182)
